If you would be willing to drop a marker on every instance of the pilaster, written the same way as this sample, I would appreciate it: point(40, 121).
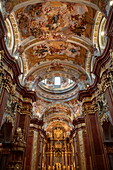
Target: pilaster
point(98, 157)
point(80, 144)
point(34, 145)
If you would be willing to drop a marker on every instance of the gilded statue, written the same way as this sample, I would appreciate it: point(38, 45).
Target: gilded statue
point(19, 138)
point(58, 166)
point(57, 133)
point(49, 167)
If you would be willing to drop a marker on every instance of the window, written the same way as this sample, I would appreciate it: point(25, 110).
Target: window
point(57, 81)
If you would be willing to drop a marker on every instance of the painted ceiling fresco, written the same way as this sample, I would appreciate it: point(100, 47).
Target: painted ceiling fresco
point(54, 20)
point(57, 109)
point(45, 109)
point(59, 48)
point(39, 106)
point(55, 49)
point(55, 39)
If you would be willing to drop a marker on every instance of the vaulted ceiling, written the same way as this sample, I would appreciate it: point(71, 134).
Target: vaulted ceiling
point(54, 39)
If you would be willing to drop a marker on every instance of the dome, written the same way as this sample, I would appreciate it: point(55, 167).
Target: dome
point(57, 84)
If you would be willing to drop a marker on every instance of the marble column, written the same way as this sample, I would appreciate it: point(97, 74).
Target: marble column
point(34, 142)
point(81, 145)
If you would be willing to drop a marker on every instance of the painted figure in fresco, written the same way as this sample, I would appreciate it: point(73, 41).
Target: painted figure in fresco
point(34, 10)
point(40, 50)
point(95, 50)
point(36, 32)
point(69, 49)
point(55, 19)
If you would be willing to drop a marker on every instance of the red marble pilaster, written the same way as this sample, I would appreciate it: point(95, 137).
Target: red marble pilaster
point(98, 156)
point(28, 155)
point(32, 157)
point(24, 118)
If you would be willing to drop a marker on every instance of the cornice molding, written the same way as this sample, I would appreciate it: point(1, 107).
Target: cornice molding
point(78, 120)
point(36, 121)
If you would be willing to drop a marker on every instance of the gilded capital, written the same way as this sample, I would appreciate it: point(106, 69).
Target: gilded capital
point(7, 83)
point(105, 83)
point(27, 109)
point(91, 108)
point(1, 55)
